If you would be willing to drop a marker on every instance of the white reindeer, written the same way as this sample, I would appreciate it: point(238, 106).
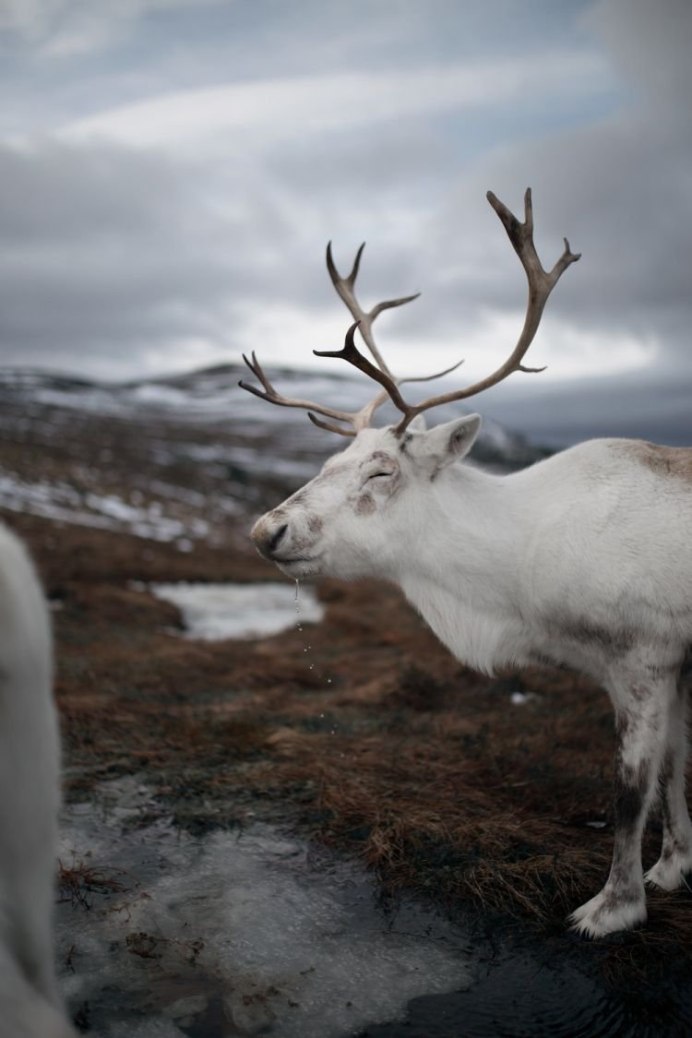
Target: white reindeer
point(30, 1004)
point(583, 560)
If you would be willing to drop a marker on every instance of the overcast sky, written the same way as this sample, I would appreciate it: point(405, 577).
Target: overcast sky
point(171, 170)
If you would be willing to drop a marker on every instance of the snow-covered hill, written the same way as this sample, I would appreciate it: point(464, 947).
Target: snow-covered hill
point(179, 458)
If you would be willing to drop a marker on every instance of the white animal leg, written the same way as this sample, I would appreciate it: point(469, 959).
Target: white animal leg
point(676, 849)
point(24, 1012)
point(642, 723)
point(30, 1003)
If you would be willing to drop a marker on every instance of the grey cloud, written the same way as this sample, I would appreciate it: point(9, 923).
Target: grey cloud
point(106, 251)
point(52, 191)
point(656, 409)
point(66, 26)
point(620, 190)
point(107, 255)
point(650, 43)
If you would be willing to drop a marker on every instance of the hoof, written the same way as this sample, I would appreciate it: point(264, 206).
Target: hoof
point(608, 912)
point(671, 873)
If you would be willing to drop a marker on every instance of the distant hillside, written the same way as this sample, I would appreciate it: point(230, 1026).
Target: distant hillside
point(181, 458)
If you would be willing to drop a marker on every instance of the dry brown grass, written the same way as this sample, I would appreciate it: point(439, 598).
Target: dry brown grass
point(79, 880)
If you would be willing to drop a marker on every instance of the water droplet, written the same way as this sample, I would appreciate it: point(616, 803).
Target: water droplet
point(307, 647)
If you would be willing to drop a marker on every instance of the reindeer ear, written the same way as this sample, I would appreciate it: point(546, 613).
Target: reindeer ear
point(462, 434)
point(445, 443)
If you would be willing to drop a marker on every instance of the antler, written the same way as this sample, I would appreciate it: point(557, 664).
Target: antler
point(353, 421)
point(540, 285)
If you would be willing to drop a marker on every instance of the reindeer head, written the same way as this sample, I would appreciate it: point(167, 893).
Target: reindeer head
point(345, 521)
point(367, 502)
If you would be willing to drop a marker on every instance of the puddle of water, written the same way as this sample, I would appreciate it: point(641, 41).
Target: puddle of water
point(215, 611)
point(236, 933)
point(251, 932)
point(542, 993)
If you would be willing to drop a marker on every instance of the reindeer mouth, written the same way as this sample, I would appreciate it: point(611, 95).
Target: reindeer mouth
point(298, 566)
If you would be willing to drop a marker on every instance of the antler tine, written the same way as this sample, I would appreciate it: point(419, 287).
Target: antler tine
point(431, 378)
point(342, 283)
point(541, 282)
point(345, 287)
point(256, 369)
point(330, 427)
point(270, 393)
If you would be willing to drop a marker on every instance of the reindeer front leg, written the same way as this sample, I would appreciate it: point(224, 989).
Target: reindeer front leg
point(642, 719)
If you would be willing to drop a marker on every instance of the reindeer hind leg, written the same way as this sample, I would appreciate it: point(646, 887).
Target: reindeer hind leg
point(676, 849)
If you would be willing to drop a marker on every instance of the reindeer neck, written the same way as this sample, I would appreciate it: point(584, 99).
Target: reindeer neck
point(463, 574)
point(471, 524)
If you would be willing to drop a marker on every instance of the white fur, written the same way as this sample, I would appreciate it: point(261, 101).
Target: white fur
point(582, 560)
point(30, 1005)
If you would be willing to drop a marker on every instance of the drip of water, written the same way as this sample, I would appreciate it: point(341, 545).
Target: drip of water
point(307, 648)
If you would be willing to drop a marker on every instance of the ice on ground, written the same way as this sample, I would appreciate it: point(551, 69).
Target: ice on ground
point(236, 933)
point(214, 611)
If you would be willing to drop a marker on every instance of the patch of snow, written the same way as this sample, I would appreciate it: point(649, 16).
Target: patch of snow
point(163, 396)
point(64, 503)
point(92, 400)
point(282, 937)
point(175, 493)
point(212, 612)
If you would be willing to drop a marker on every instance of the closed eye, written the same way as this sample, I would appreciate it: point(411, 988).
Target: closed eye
point(380, 475)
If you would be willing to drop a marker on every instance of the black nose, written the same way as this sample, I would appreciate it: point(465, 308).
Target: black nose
point(275, 539)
